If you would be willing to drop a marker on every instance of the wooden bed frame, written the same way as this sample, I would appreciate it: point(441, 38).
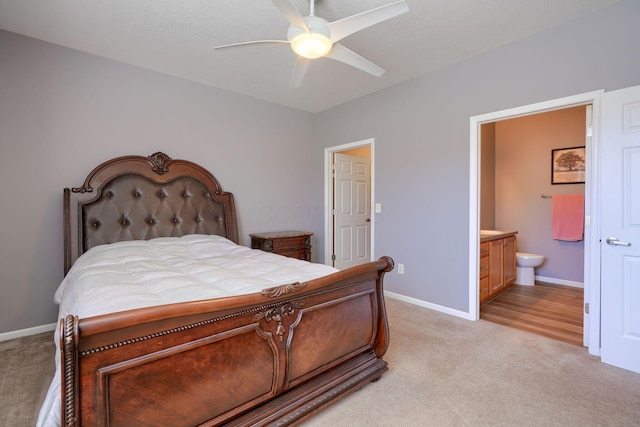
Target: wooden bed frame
point(270, 358)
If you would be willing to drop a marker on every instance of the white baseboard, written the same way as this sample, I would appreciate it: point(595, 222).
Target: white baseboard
point(560, 282)
point(425, 304)
point(26, 332)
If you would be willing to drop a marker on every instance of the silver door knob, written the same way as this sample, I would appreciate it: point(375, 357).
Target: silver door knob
point(615, 242)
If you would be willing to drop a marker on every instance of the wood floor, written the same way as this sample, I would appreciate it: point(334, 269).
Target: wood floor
point(551, 310)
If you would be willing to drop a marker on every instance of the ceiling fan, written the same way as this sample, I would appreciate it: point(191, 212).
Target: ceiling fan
point(312, 37)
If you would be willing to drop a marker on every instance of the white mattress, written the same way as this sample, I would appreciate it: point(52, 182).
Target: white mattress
point(134, 274)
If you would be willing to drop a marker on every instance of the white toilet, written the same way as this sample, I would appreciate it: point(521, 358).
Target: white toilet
point(525, 263)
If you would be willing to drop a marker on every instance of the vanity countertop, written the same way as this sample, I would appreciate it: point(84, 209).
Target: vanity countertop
point(488, 235)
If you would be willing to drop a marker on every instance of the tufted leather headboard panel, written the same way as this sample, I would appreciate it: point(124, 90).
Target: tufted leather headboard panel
point(139, 198)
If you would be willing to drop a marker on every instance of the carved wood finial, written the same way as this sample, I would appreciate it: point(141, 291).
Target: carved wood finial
point(84, 189)
point(391, 263)
point(278, 291)
point(159, 162)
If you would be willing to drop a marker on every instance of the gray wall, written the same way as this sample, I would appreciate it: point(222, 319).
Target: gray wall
point(421, 130)
point(62, 112)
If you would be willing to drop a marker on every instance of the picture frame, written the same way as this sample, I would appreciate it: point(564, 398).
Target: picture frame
point(568, 165)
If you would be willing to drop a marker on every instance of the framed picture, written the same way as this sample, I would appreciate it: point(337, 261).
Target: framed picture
point(568, 165)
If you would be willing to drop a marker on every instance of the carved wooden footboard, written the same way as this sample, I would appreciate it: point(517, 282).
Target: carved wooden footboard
point(261, 359)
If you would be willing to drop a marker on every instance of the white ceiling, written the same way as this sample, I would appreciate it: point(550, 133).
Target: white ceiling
point(177, 37)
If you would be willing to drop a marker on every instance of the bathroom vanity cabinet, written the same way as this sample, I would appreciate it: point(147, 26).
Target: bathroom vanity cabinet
point(484, 272)
point(497, 263)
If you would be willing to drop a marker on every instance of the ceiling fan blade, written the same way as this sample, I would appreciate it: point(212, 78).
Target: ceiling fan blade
point(291, 13)
point(253, 43)
point(349, 57)
point(299, 70)
point(344, 27)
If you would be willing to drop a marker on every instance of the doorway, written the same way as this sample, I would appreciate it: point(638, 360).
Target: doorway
point(516, 195)
point(349, 189)
point(591, 259)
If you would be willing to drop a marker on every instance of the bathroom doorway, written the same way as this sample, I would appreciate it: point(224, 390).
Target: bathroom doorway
point(516, 194)
point(581, 103)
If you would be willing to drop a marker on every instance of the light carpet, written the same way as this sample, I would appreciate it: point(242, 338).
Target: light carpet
point(443, 371)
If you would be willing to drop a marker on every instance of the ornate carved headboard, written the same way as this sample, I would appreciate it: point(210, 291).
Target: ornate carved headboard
point(139, 198)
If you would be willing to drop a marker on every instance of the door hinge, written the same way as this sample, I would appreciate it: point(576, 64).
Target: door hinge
point(586, 307)
point(333, 257)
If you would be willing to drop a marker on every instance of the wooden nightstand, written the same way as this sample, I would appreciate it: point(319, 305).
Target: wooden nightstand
point(294, 244)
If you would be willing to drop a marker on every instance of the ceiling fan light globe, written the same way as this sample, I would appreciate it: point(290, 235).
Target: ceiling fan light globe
point(311, 45)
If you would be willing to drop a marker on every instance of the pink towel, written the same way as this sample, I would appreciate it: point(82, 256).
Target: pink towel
point(567, 217)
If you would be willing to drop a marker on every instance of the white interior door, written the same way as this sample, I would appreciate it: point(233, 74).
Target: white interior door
point(620, 238)
point(352, 210)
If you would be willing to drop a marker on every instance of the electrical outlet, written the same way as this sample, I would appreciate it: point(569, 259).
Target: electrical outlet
point(400, 268)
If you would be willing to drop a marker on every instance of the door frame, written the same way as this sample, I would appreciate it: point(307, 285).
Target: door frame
point(592, 219)
point(329, 192)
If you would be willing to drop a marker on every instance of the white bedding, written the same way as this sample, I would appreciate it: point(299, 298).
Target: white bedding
point(134, 274)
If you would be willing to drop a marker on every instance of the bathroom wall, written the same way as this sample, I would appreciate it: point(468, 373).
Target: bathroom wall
point(523, 174)
point(488, 176)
